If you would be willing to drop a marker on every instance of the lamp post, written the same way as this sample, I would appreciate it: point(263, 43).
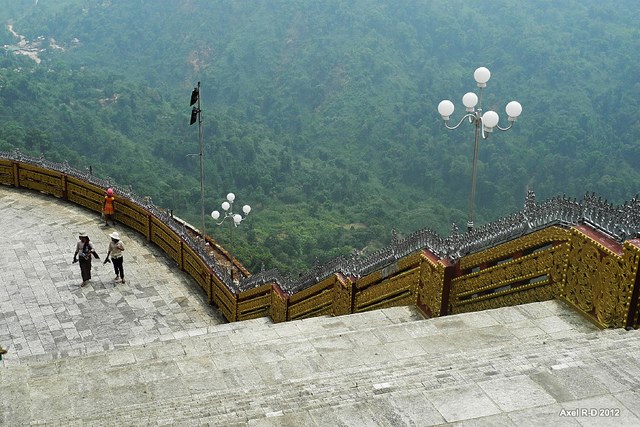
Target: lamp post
point(484, 124)
point(236, 219)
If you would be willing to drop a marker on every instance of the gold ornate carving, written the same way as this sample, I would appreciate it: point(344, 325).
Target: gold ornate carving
point(505, 250)
point(6, 172)
point(610, 292)
point(254, 307)
point(320, 287)
point(342, 296)
point(224, 298)
point(430, 287)
point(163, 237)
point(388, 292)
point(632, 259)
point(369, 279)
point(255, 292)
point(584, 261)
point(533, 277)
point(600, 280)
point(41, 179)
point(539, 293)
point(278, 307)
point(314, 304)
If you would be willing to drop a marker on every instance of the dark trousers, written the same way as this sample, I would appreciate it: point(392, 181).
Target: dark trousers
point(117, 266)
point(85, 268)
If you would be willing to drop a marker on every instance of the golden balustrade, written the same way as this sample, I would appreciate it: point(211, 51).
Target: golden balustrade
point(578, 264)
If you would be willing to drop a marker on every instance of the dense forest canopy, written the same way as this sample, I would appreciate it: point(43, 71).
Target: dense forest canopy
point(322, 114)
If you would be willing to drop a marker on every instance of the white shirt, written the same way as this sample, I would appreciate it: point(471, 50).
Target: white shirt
point(80, 246)
point(116, 248)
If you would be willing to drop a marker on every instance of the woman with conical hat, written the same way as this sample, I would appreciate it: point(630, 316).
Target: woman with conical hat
point(115, 250)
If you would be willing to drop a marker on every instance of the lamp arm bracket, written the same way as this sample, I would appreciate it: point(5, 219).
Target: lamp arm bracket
point(507, 128)
point(226, 215)
point(468, 115)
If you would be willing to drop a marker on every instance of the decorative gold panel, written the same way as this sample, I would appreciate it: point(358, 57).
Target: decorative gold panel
point(196, 268)
point(84, 194)
point(255, 292)
point(632, 261)
point(279, 304)
point(314, 304)
point(324, 310)
point(518, 281)
point(430, 286)
point(6, 172)
point(548, 235)
point(400, 299)
point(410, 261)
point(224, 299)
point(367, 280)
point(254, 303)
point(539, 292)
point(162, 236)
point(132, 215)
point(388, 292)
point(41, 180)
point(600, 279)
point(342, 297)
point(323, 286)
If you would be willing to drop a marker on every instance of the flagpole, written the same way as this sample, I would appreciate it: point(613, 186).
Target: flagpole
point(196, 113)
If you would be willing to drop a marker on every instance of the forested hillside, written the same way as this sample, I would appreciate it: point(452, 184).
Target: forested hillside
point(323, 114)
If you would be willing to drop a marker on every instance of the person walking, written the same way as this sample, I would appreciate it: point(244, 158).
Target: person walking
point(115, 250)
point(85, 250)
point(108, 207)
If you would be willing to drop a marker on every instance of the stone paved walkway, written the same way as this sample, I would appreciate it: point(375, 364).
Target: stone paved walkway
point(156, 355)
point(45, 314)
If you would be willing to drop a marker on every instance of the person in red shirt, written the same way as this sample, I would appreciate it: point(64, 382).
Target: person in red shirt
point(108, 207)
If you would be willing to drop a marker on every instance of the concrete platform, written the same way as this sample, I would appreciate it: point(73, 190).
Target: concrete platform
point(150, 352)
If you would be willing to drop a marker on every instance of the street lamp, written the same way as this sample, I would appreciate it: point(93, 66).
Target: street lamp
point(484, 124)
point(236, 219)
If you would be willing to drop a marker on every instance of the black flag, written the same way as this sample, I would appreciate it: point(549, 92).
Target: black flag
point(194, 96)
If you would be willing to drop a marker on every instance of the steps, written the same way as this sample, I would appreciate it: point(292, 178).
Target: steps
point(258, 372)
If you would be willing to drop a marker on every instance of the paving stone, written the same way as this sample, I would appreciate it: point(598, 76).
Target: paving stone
point(462, 402)
point(516, 393)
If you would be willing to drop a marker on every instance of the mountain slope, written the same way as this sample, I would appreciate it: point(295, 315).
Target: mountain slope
point(322, 115)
